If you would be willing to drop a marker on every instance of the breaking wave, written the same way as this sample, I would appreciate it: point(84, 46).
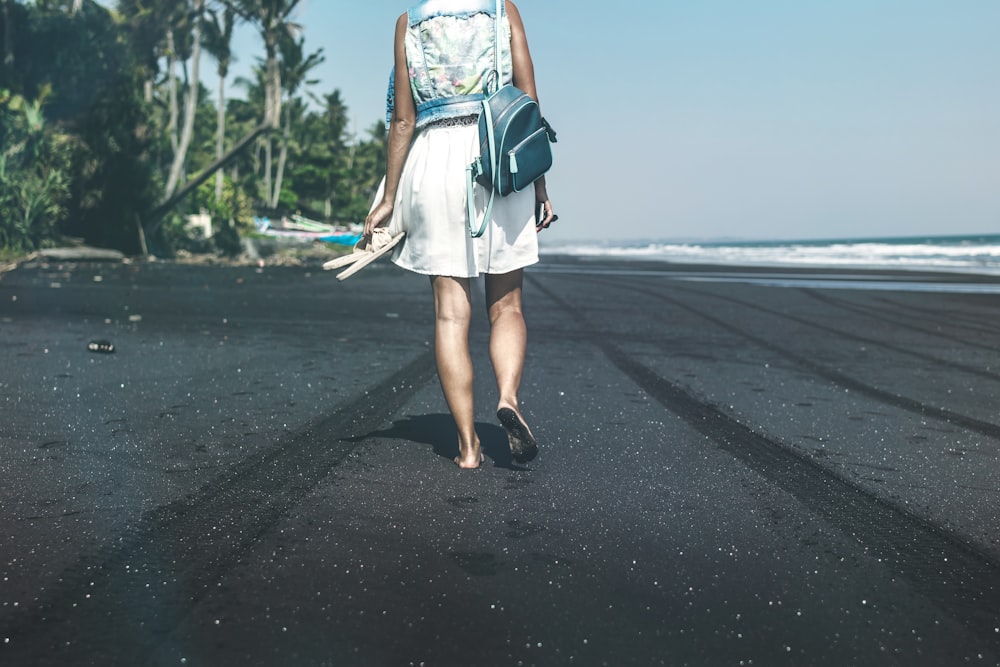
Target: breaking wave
point(974, 254)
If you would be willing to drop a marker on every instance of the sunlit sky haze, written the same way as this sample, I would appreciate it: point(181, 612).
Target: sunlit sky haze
point(728, 119)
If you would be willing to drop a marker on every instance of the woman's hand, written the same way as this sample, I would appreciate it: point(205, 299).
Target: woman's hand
point(544, 215)
point(543, 207)
point(379, 216)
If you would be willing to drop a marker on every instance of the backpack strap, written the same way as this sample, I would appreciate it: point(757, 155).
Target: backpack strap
point(471, 173)
point(496, 44)
point(475, 170)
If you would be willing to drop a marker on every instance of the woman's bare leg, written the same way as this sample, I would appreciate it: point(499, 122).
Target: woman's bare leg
point(508, 334)
point(508, 346)
point(453, 313)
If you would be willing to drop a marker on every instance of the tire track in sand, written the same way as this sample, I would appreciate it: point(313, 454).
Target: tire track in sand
point(894, 318)
point(964, 368)
point(955, 575)
point(118, 606)
point(950, 417)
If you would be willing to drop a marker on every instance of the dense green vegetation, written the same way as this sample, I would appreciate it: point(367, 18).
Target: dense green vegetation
point(112, 132)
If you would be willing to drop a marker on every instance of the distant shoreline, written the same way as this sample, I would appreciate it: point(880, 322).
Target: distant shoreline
point(804, 277)
point(973, 254)
point(312, 255)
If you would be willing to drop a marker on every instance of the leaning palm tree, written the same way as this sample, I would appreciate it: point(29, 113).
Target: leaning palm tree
point(295, 68)
point(218, 37)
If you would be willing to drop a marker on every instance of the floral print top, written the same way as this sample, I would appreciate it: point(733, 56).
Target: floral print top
point(453, 57)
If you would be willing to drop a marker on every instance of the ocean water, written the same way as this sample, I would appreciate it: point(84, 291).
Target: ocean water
point(979, 254)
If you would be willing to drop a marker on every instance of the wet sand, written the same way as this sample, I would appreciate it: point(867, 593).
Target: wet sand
point(738, 466)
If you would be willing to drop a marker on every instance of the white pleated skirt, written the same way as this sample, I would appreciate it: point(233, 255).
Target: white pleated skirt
point(431, 207)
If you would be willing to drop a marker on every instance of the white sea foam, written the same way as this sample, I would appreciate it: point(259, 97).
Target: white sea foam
point(970, 254)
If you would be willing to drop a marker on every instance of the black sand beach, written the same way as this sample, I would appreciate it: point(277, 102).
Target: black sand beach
point(737, 467)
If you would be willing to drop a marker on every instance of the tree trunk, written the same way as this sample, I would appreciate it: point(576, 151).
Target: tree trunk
point(272, 110)
point(191, 107)
point(350, 168)
point(8, 35)
point(267, 170)
point(282, 157)
point(272, 84)
point(77, 6)
point(220, 135)
point(172, 92)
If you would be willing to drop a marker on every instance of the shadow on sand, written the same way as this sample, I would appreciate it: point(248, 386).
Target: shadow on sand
point(439, 432)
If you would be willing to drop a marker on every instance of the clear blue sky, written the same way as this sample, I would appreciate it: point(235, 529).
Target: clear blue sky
point(753, 119)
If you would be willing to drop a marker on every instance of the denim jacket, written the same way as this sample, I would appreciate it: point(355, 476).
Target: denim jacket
point(450, 55)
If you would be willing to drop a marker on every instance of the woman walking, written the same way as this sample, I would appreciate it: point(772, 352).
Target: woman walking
point(444, 53)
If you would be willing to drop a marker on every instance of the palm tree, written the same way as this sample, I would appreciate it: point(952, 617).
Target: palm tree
point(167, 31)
point(174, 109)
point(272, 20)
point(218, 37)
point(254, 90)
point(190, 102)
point(335, 116)
point(295, 69)
point(146, 26)
point(154, 218)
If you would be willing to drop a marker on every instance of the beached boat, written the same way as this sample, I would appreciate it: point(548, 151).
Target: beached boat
point(299, 227)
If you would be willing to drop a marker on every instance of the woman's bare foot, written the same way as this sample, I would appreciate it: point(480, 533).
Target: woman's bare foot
point(469, 458)
point(523, 445)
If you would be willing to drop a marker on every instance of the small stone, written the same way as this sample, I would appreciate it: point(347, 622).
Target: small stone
point(101, 346)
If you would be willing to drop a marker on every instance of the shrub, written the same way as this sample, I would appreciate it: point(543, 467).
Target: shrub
point(34, 168)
